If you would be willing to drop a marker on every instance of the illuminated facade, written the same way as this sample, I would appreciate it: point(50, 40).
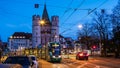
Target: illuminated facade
point(47, 32)
point(19, 41)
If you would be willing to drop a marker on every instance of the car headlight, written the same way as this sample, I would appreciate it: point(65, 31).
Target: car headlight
point(53, 56)
point(30, 67)
point(59, 56)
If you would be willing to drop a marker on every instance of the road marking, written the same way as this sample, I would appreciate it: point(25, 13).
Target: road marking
point(74, 62)
point(97, 67)
point(82, 65)
point(59, 66)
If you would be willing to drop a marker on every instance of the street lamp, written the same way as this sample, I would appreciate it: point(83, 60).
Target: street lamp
point(80, 26)
point(42, 22)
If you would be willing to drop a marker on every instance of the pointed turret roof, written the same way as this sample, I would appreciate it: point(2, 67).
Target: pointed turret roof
point(45, 15)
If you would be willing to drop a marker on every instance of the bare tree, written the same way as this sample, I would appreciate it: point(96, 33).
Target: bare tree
point(85, 34)
point(116, 28)
point(102, 27)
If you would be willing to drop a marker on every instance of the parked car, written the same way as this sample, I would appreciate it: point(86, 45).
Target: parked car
point(34, 59)
point(25, 61)
point(82, 55)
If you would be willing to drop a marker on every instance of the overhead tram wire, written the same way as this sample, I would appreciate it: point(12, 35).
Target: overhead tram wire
point(85, 16)
point(52, 6)
point(97, 7)
point(73, 12)
point(67, 8)
point(48, 5)
point(16, 14)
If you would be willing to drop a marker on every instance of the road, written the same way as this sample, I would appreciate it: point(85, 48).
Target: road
point(93, 62)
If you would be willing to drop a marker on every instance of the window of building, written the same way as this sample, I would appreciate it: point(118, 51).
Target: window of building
point(17, 36)
point(23, 36)
point(20, 36)
point(14, 36)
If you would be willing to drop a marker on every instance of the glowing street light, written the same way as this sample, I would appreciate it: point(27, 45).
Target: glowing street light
point(80, 26)
point(42, 22)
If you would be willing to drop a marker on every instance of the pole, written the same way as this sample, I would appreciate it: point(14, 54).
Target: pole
point(68, 51)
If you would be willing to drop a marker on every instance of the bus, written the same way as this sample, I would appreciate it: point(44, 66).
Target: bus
point(53, 52)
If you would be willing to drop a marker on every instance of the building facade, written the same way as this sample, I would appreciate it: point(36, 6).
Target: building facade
point(36, 35)
point(19, 41)
point(46, 32)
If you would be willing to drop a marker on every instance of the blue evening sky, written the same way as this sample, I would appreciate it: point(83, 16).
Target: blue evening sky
point(16, 15)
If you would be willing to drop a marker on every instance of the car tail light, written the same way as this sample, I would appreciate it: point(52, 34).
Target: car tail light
point(87, 55)
point(80, 54)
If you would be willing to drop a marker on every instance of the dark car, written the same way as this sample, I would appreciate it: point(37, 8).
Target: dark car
point(25, 61)
point(82, 55)
point(10, 66)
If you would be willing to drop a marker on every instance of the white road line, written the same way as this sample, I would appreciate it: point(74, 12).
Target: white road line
point(82, 65)
point(65, 66)
point(72, 63)
point(97, 67)
point(59, 66)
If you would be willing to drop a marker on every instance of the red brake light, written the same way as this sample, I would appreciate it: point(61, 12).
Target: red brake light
point(81, 54)
point(87, 55)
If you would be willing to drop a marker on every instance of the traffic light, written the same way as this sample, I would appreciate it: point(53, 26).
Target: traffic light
point(94, 47)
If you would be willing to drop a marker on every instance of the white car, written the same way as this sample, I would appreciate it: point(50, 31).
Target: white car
point(34, 59)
